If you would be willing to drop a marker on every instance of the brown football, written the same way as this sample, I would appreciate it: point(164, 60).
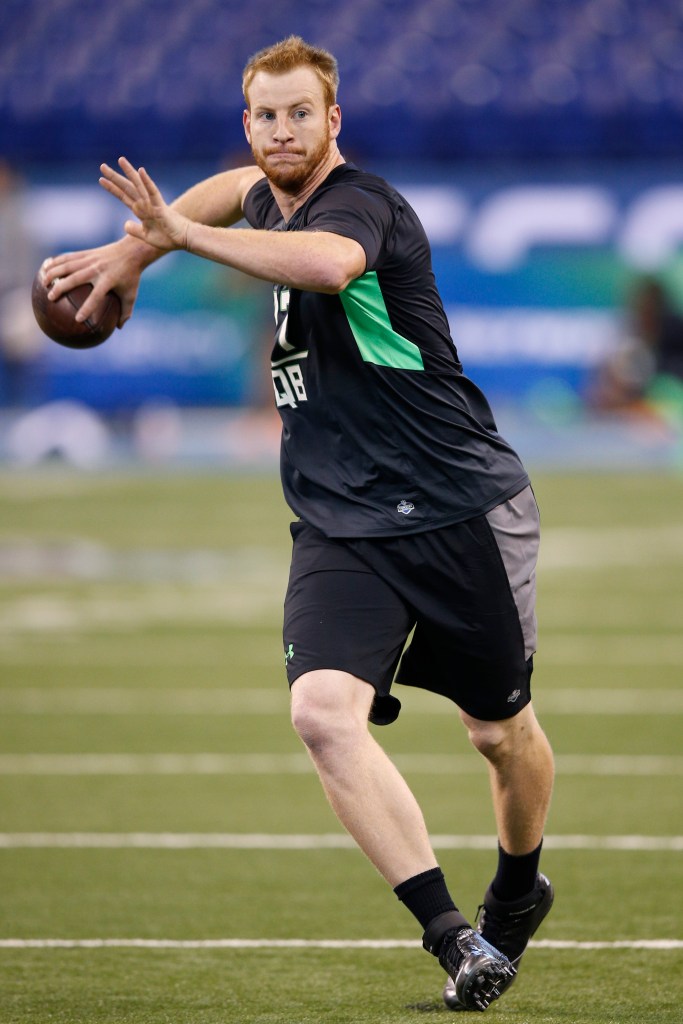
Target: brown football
point(56, 319)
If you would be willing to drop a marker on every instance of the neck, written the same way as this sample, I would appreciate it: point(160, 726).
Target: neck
point(290, 202)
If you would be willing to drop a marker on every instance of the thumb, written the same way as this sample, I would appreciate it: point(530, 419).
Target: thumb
point(134, 228)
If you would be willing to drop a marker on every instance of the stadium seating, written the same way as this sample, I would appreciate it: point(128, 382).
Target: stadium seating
point(436, 79)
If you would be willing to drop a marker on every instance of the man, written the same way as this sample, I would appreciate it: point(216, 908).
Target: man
point(413, 511)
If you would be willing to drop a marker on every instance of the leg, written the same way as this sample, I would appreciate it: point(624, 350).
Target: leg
point(371, 799)
point(366, 791)
point(521, 773)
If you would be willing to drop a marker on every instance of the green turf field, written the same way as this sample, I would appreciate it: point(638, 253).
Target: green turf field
point(161, 821)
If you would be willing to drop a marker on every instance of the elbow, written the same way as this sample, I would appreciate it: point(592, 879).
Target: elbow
point(334, 284)
point(336, 276)
point(335, 262)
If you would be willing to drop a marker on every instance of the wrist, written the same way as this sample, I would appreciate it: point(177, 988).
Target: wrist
point(139, 252)
point(187, 244)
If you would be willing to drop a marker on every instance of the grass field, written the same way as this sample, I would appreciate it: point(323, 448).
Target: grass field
point(163, 839)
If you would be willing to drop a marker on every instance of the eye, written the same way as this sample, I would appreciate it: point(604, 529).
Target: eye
point(299, 115)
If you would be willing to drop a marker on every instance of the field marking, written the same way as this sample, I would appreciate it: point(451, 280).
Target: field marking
point(595, 548)
point(121, 700)
point(306, 841)
point(92, 700)
point(81, 558)
point(122, 612)
point(628, 649)
point(621, 944)
point(49, 616)
point(300, 764)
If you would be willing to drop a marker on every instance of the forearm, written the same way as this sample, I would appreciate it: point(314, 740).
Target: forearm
point(316, 261)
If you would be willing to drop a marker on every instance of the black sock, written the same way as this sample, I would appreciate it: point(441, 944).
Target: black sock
point(516, 876)
point(425, 895)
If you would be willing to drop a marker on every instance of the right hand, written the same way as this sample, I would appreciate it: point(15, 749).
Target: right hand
point(159, 224)
point(114, 267)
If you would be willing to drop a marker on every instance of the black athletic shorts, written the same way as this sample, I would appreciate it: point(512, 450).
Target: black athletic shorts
point(467, 591)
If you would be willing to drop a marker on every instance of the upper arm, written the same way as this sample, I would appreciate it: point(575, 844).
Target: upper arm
point(346, 258)
point(358, 217)
point(219, 200)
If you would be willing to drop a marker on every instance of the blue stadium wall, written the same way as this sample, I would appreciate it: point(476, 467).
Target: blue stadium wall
point(534, 266)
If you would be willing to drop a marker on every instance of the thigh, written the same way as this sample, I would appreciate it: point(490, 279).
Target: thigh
point(516, 528)
point(469, 644)
point(340, 614)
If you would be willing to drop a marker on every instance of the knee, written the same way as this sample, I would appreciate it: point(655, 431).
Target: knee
point(509, 738)
point(325, 711)
point(491, 739)
point(311, 720)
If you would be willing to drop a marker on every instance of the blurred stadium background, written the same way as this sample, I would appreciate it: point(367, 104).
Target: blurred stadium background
point(144, 741)
point(539, 140)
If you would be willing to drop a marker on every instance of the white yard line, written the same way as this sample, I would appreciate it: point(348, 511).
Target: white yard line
point(651, 944)
point(305, 841)
point(121, 700)
point(564, 548)
point(627, 649)
point(94, 700)
point(592, 549)
point(299, 764)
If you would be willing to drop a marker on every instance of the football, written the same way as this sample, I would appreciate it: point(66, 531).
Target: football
point(56, 319)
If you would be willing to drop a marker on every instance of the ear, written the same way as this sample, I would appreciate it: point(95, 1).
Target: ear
point(246, 124)
point(334, 120)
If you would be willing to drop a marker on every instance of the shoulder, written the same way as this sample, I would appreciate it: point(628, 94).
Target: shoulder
point(351, 180)
point(370, 210)
point(351, 195)
point(258, 203)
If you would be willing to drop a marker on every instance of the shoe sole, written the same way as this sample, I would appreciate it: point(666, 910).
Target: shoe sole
point(483, 983)
point(453, 1002)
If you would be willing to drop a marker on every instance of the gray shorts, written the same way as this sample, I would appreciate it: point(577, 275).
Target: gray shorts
point(465, 592)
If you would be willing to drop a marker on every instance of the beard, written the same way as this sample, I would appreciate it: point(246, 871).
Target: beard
point(291, 178)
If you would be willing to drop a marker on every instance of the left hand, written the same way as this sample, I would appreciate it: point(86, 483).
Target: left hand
point(160, 225)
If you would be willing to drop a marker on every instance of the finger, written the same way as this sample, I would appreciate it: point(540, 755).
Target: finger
point(150, 187)
point(126, 166)
point(63, 279)
point(91, 303)
point(127, 188)
point(44, 272)
point(114, 189)
point(52, 267)
point(117, 179)
point(126, 313)
point(132, 175)
point(61, 285)
point(136, 230)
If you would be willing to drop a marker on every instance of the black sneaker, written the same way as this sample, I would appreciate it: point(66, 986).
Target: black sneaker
point(508, 927)
point(477, 971)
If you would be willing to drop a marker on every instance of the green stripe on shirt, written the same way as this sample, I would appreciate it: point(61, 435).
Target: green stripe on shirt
point(368, 319)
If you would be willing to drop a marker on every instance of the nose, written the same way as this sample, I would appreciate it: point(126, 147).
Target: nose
point(283, 130)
